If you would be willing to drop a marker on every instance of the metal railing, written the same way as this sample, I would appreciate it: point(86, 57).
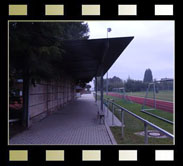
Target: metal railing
point(146, 122)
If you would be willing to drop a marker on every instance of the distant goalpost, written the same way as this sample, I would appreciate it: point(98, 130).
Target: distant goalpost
point(123, 92)
point(156, 86)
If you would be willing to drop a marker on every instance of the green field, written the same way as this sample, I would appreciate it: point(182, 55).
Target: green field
point(161, 95)
point(133, 125)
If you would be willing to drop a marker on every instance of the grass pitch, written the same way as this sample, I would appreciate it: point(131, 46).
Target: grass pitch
point(133, 125)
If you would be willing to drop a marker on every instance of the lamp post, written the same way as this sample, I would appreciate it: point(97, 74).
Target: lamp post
point(108, 30)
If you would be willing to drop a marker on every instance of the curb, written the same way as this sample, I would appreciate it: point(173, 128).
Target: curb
point(113, 141)
point(110, 134)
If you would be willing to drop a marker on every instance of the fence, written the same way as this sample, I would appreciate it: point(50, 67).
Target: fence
point(109, 103)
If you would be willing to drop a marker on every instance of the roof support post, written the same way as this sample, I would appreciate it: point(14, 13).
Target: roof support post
point(25, 116)
point(96, 89)
point(101, 90)
point(107, 84)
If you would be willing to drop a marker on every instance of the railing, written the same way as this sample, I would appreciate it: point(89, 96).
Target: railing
point(146, 123)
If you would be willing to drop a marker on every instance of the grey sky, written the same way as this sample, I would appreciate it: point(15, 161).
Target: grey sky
point(152, 47)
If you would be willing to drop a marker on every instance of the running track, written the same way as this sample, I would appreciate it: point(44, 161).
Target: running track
point(162, 105)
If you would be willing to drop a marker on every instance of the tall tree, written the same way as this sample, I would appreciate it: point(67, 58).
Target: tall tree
point(148, 77)
point(36, 47)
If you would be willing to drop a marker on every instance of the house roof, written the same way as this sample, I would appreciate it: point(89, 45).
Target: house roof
point(85, 59)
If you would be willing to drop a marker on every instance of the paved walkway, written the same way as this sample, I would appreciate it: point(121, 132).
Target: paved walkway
point(75, 124)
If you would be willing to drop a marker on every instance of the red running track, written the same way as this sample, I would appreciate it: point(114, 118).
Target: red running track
point(160, 104)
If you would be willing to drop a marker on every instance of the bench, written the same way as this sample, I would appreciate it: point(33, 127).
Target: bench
point(101, 117)
point(11, 121)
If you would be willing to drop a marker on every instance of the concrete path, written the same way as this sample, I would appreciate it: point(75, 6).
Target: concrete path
point(75, 124)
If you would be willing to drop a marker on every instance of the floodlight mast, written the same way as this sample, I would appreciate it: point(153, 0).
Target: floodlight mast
point(108, 30)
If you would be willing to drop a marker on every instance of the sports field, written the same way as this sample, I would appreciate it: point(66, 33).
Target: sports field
point(162, 101)
point(133, 125)
point(166, 95)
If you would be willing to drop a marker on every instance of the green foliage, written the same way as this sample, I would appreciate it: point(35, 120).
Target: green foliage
point(36, 48)
point(129, 84)
point(134, 85)
point(114, 82)
point(148, 76)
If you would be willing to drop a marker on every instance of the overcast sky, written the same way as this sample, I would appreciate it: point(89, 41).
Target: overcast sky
point(152, 47)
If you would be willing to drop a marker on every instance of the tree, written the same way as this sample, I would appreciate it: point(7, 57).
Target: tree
point(114, 82)
point(36, 48)
point(88, 87)
point(148, 76)
point(130, 85)
point(36, 51)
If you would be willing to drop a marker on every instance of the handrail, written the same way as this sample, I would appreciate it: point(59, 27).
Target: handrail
point(144, 120)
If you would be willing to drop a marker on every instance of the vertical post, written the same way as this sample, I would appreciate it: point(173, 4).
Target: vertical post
point(25, 118)
point(107, 107)
point(145, 96)
point(124, 94)
point(47, 93)
point(104, 106)
point(101, 90)
point(122, 123)
point(96, 89)
point(154, 94)
point(112, 114)
point(145, 133)
point(107, 84)
point(108, 30)
point(57, 94)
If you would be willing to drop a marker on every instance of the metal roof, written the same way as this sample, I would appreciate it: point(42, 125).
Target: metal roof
point(85, 59)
